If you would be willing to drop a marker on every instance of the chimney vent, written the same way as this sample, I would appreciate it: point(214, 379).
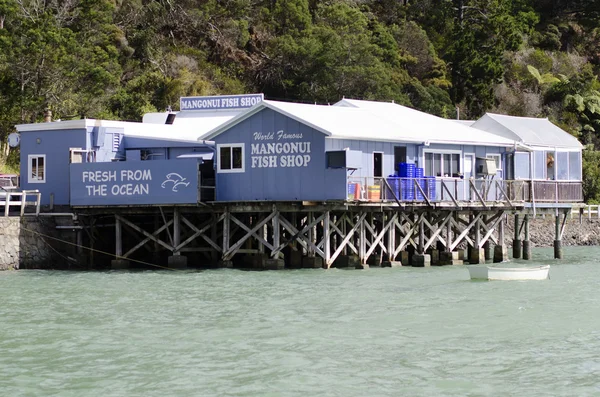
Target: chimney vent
point(47, 116)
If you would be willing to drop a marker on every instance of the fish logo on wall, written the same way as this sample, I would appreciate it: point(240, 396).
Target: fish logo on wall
point(176, 179)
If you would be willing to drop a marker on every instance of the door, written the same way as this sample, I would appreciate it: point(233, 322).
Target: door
point(377, 164)
point(469, 163)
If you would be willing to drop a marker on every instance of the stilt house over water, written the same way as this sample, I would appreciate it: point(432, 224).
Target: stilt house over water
point(311, 184)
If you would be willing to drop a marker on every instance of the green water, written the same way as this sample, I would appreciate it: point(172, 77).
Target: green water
point(379, 332)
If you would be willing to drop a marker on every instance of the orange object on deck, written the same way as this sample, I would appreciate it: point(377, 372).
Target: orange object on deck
point(374, 193)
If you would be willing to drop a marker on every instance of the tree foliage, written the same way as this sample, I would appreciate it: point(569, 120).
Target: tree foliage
point(120, 59)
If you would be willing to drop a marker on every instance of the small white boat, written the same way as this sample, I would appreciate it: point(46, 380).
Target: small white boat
point(509, 273)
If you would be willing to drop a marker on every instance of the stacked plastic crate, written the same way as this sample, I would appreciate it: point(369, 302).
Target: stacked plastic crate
point(406, 172)
point(394, 183)
point(421, 182)
point(430, 187)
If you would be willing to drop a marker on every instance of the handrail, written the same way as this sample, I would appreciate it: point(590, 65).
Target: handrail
point(432, 190)
point(20, 199)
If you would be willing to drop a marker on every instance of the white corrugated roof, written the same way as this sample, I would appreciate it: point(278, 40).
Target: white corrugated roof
point(468, 123)
point(374, 121)
point(528, 130)
point(186, 132)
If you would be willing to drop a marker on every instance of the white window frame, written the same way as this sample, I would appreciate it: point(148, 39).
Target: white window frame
point(442, 152)
point(497, 158)
point(231, 146)
point(30, 177)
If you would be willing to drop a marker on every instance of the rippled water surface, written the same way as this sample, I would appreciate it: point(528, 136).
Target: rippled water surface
point(379, 332)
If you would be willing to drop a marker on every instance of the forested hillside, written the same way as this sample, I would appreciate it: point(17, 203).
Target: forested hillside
point(119, 59)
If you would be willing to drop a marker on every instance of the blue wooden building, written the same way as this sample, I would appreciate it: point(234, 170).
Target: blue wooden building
point(304, 185)
point(290, 152)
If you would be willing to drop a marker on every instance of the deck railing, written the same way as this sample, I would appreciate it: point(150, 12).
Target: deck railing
point(456, 190)
point(21, 199)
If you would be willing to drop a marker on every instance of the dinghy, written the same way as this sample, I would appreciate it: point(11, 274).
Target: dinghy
point(509, 273)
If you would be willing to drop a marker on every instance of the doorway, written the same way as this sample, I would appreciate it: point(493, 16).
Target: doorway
point(377, 164)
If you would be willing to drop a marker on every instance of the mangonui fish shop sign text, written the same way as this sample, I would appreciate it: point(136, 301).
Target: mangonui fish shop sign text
point(279, 149)
point(135, 182)
point(220, 102)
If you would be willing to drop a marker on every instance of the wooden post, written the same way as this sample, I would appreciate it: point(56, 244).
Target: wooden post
point(118, 237)
point(311, 233)
point(421, 236)
point(363, 242)
point(449, 236)
point(176, 230)
point(226, 229)
point(276, 231)
point(177, 261)
point(326, 239)
point(344, 233)
point(391, 236)
point(119, 262)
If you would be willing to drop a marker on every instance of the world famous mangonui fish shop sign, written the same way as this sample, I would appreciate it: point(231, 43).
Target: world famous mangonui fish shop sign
point(135, 183)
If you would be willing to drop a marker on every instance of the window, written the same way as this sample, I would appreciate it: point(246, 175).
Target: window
point(522, 165)
point(442, 164)
point(231, 158)
point(37, 168)
point(575, 166)
point(496, 158)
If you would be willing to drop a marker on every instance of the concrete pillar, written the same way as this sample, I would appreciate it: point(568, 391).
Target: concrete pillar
point(450, 258)
point(312, 262)
point(119, 264)
point(294, 259)
point(404, 258)
point(477, 256)
point(526, 249)
point(489, 251)
point(177, 261)
point(391, 264)
point(421, 260)
point(558, 253)
point(225, 264)
point(500, 250)
point(463, 253)
point(526, 242)
point(500, 253)
point(435, 257)
point(273, 264)
point(517, 239)
point(346, 261)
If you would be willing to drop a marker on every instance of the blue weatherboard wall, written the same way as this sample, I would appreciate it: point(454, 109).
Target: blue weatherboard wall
point(135, 183)
point(55, 145)
point(311, 182)
point(413, 152)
